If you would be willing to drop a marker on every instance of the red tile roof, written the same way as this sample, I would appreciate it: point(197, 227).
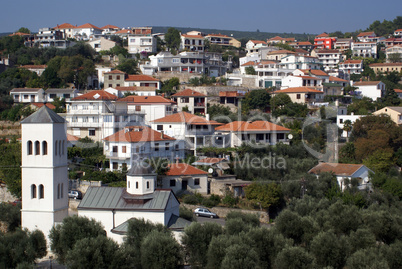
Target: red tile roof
point(39, 105)
point(308, 77)
point(331, 78)
point(276, 38)
point(65, 26)
point(188, 118)
point(299, 90)
point(88, 25)
point(385, 64)
point(125, 31)
point(398, 30)
point(245, 126)
point(304, 43)
point(72, 137)
point(110, 27)
point(179, 169)
point(189, 93)
point(366, 83)
point(116, 71)
point(315, 72)
point(339, 169)
point(135, 134)
point(19, 34)
point(322, 35)
point(218, 35)
point(397, 90)
point(43, 66)
point(140, 78)
point(146, 100)
point(250, 63)
point(230, 94)
point(365, 34)
point(135, 89)
point(96, 95)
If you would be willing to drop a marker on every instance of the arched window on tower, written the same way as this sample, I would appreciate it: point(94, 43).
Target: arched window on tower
point(41, 191)
point(44, 148)
point(37, 148)
point(63, 148)
point(61, 190)
point(55, 148)
point(29, 147)
point(58, 191)
point(60, 148)
point(33, 191)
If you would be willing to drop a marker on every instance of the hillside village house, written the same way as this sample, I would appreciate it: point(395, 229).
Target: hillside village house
point(351, 67)
point(231, 99)
point(114, 206)
point(301, 81)
point(329, 58)
point(141, 40)
point(324, 41)
point(97, 115)
point(193, 101)
point(67, 94)
point(300, 62)
point(192, 42)
point(109, 29)
point(390, 42)
point(386, 67)
point(133, 90)
point(117, 78)
point(343, 172)
point(278, 55)
point(263, 132)
point(86, 31)
point(101, 44)
point(253, 46)
point(66, 29)
point(153, 107)
point(184, 177)
point(398, 92)
point(343, 44)
point(371, 89)
point(367, 37)
point(303, 95)
point(196, 131)
point(28, 95)
point(394, 112)
point(143, 142)
point(364, 49)
point(270, 73)
point(393, 50)
point(223, 40)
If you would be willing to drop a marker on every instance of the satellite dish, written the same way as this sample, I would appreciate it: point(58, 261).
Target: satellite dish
point(290, 136)
point(210, 170)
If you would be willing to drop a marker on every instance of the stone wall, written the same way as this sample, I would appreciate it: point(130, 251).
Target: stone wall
point(183, 77)
point(5, 195)
point(223, 211)
point(214, 90)
point(10, 128)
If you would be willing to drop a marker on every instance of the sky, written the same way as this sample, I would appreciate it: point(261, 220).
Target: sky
point(289, 16)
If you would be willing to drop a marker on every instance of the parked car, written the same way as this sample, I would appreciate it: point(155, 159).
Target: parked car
point(203, 212)
point(75, 194)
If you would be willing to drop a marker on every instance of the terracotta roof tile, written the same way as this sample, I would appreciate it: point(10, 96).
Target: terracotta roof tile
point(110, 27)
point(250, 63)
point(339, 169)
point(322, 35)
point(230, 94)
point(299, 90)
point(135, 134)
point(366, 83)
point(189, 93)
point(96, 95)
point(65, 26)
point(116, 71)
point(352, 62)
point(125, 31)
point(140, 78)
point(365, 34)
point(397, 90)
point(39, 105)
point(385, 64)
point(315, 72)
point(193, 36)
point(43, 66)
point(178, 169)
point(245, 126)
point(88, 25)
point(19, 34)
point(331, 78)
point(188, 118)
point(72, 137)
point(304, 43)
point(136, 89)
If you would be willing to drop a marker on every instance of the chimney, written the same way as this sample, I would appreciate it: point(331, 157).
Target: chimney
point(207, 116)
point(162, 137)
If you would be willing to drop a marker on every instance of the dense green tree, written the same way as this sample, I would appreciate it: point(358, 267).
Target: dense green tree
point(196, 240)
point(256, 99)
point(170, 86)
point(395, 57)
point(218, 248)
point(264, 195)
point(250, 70)
point(63, 237)
point(240, 256)
point(11, 215)
point(160, 250)
point(129, 66)
point(367, 258)
point(10, 166)
point(360, 239)
point(172, 39)
point(294, 258)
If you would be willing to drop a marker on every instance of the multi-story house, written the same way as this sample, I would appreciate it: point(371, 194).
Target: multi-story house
point(386, 67)
point(28, 95)
point(351, 67)
point(223, 40)
point(270, 73)
point(231, 98)
point(328, 58)
point(394, 112)
point(101, 44)
point(109, 29)
point(141, 40)
point(153, 107)
point(208, 63)
point(280, 40)
point(117, 78)
point(394, 52)
point(393, 41)
point(49, 37)
point(279, 54)
point(254, 46)
point(343, 44)
point(114, 78)
point(312, 73)
point(87, 32)
point(371, 89)
point(305, 45)
point(192, 101)
point(192, 43)
point(67, 30)
point(303, 95)
point(364, 49)
point(196, 131)
point(324, 41)
point(302, 81)
point(133, 90)
point(300, 62)
point(367, 37)
point(260, 132)
point(96, 114)
point(67, 94)
point(141, 141)
point(398, 33)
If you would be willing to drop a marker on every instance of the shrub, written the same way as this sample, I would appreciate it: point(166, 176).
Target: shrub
point(186, 213)
point(191, 199)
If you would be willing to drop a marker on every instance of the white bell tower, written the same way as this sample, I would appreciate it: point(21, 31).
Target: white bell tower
point(140, 179)
point(44, 170)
